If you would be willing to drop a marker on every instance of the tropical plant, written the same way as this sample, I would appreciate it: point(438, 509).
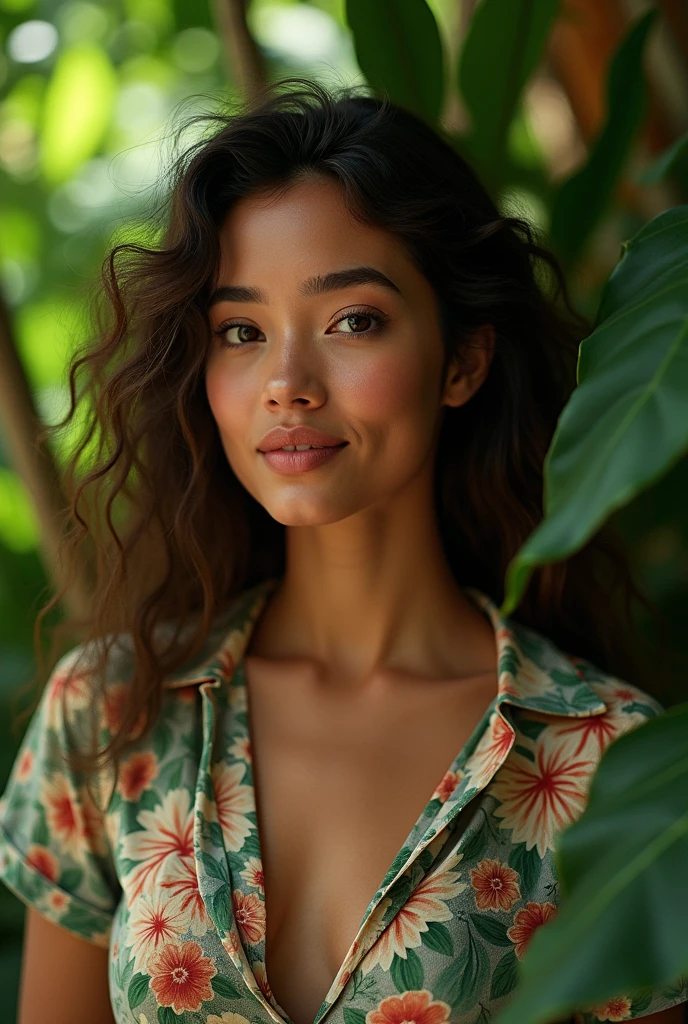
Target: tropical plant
point(622, 924)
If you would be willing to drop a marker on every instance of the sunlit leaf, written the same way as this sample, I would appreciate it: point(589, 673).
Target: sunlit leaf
point(399, 50)
point(78, 108)
point(25, 99)
point(20, 233)
point(621, 925)
point(625, 424)
point(157, 13)
point(16, 6)
point(18, 526)
point(583, 198)
point(47, 331)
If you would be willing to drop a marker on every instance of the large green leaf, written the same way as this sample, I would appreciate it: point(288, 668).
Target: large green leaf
point(621, 926)
point(502, 48)
point(583, 198)
point(399, 50)
point(77, 111)
point(626, 423)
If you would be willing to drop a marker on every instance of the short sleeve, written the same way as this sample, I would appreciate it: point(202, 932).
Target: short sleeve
point(54, 849)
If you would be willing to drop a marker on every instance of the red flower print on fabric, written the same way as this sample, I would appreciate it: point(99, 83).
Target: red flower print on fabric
point(539, 800)
point(57, 901)
point(167, 833)
point(624, 694)
point(253, 874)
point(136, 774)
point(234, 800)
point(618, 1008)
point(184, 884)
point(180, 976)
point(64, 692)
point(427, 903)
point(447, 786)
point(526, 922)
point(496, 885)
point(491, 751)
point(117, 701)
point(40, 858)
point(25, 765)
point(249, 912)
point(258, 967)
point(416, 1007)
point(600, 728)
point(63, 814)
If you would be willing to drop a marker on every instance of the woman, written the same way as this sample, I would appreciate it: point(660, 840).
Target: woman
point(334, 379)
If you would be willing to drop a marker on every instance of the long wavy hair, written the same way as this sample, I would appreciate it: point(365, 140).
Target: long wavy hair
point(157, 516)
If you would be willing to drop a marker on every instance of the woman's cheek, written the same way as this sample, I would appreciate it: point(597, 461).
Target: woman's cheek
point(385, 386)
point(231, 402)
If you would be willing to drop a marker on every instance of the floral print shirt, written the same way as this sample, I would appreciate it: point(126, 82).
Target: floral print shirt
point(161, 865)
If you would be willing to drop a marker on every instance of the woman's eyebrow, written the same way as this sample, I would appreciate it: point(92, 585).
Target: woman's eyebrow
point(331, 282)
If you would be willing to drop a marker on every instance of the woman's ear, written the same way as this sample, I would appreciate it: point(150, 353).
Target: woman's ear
point(468, 370)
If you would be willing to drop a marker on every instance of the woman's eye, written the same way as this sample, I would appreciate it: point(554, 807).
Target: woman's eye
point(224, 330)
point(353, 321)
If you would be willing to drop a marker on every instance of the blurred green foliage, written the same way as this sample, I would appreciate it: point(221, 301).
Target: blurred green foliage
point(89, 92)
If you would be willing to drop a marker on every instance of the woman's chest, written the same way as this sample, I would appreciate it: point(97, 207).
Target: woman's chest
point(340, 785)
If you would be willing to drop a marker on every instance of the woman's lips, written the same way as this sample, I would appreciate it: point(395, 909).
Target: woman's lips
point(299, 462)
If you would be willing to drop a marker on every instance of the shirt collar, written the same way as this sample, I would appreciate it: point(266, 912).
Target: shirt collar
point(532, 671)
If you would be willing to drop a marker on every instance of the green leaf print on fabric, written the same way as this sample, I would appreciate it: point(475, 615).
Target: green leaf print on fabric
point(127, 974)
point(215, 868)
point(524, 752)
point(223, 987)
point(163, 741)
point(40, 833)
point(407, 973)
point(438, 937)
point(71, 879)
point(221, 906)
point(530, 727)
point(643, 709)
point(476, 844)
point(528, 864)
point(675, 990)
point(505, 976)
point(492, 930)
point(460, 982)
point(138, 990)
point(352, 1016)
point(640, 1004)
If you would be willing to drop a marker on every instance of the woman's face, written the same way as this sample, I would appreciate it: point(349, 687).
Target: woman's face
point(358, 361)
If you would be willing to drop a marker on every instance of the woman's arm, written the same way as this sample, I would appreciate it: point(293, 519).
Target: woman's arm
point(64, 979)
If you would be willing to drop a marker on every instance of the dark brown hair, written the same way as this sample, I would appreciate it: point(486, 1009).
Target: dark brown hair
point(172, 534)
